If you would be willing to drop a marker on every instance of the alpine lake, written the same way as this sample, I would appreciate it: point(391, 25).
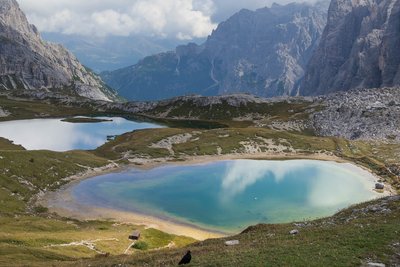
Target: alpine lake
point(223, 196)
point(68, 134)
point(228, 196)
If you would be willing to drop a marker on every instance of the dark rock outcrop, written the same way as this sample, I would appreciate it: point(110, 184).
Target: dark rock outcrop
point(358, 49)
point(29, 63)
point(261, 52)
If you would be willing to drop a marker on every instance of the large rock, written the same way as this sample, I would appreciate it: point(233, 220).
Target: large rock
point(232, 242)
point(261, 52)
point(294, 232)
point(358, 49)
point(27, 62)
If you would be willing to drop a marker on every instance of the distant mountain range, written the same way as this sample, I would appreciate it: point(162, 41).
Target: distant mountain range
point(294, 49)
point(262, 52)
point(29, 63)
point(111, 52)
point(278, 51)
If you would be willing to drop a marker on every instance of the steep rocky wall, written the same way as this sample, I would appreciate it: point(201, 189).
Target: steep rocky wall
point(28, 62)
point(358, 49)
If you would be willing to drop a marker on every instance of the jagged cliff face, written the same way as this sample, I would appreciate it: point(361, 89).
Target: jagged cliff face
point(261, 52)
point(360, 48)
point(27, 62)
point(265, 52)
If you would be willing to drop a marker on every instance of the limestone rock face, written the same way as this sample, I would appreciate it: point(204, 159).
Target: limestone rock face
point(27, 62)
point(260, 52)
point(358, 49)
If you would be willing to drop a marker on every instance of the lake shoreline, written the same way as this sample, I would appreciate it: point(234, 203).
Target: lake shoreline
point(68, 208)
point(62, 203)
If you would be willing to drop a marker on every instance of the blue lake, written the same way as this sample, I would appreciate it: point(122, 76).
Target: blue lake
point(56, 135)
point(231, 195)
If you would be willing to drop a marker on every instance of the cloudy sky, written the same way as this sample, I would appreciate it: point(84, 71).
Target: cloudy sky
point(182, 19)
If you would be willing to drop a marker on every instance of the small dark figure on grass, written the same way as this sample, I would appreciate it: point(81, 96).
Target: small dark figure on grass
point(186, 259)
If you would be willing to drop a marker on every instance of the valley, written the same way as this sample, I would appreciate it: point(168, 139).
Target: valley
point(275, 142)
point(244, 132)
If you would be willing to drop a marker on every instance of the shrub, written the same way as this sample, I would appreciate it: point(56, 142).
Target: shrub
point(141, 245)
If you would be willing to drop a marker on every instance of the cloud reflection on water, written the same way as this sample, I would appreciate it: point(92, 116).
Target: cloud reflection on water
point(339, 186)
point(53, 134)
point(328, 184)
point(241, 174)
point(44, 134)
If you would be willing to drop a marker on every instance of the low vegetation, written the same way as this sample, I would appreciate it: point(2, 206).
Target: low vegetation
point(6, 144)
point(364, 233)
point(207, 142)
point(30, 235)
point(28, 109)
point(223, 111)
point(37, 240)
point(24, 174)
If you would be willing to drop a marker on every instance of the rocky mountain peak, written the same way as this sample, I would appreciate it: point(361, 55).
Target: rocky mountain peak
point(12, 16)
point(29, 63)
point(358, 49)
point(261, 52)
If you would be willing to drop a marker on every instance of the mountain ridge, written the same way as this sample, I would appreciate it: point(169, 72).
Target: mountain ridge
point(362, 39)
point(30, 63)
point(110, 52)
point(261, 52)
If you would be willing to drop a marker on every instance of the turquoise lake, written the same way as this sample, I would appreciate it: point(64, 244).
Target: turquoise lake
point(56, 135)
point(228, 196)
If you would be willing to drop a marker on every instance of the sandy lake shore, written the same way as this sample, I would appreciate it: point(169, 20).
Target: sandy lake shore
point(63, 204)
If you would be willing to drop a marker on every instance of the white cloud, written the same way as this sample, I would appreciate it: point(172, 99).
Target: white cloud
point(184, 19)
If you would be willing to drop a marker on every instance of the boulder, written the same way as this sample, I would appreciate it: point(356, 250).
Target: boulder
point(294, 232)
point(232, 242)
point(375, 264)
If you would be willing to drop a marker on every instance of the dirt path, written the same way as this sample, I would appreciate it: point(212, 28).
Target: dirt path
point(90, 244)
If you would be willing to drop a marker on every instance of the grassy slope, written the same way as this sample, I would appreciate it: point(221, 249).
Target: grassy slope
point(223, 111)
point(346, 239)
point(25, 173)
point(6, 144)
point(26, 232)
point(24, 236)
point(244, 115)
point(24, 109)
point(228, 139)
point(32, 240)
